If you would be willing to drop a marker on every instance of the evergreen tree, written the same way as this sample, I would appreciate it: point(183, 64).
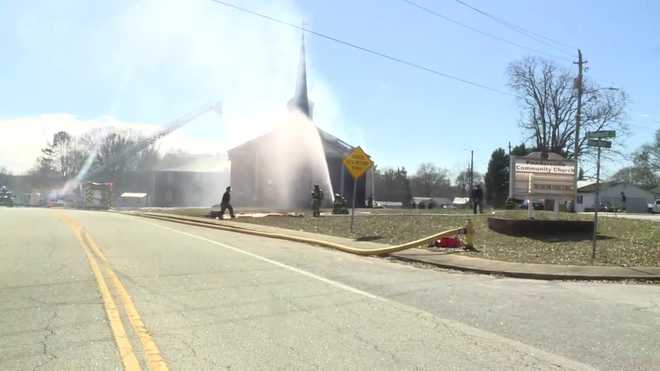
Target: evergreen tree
point(497, 178)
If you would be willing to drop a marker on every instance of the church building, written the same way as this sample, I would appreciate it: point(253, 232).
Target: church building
point(279, 169)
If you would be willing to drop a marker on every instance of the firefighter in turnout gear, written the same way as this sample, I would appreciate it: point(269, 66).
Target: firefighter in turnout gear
point(225, 204)
point(317, 197)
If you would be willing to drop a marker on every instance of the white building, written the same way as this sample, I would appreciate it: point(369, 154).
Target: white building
point(637, 199)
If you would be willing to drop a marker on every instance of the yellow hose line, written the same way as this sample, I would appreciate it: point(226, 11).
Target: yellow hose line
point(353, 250)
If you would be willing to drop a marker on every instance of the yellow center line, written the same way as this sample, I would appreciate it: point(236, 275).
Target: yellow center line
point(152, 353)
point(154, 359)
point(126, 353)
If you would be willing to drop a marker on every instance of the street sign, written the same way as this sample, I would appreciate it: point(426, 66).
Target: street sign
point(602, 134)
point(357, 162)
point(599, 143)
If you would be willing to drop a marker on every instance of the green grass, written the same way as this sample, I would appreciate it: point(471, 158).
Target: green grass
point(621, 241)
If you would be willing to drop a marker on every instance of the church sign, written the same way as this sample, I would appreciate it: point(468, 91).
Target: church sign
point(532, 177)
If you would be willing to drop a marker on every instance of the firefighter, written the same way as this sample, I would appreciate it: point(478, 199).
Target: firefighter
point(225, 205)
point(476, 197)
point(317, 197)
point(623, 201)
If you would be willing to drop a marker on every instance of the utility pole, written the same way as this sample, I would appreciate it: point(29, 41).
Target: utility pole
point(578, 116)
point(595, 235)
point(509, 149)
point(471, 169)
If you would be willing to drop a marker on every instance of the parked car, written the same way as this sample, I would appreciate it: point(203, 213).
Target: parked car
point(537, 205)
point(654, 207)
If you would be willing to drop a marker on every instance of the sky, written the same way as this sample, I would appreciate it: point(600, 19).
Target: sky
point(76, 65)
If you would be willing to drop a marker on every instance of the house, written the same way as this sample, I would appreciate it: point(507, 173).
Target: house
point(656, 192)
point(197, 180)
point(279, 169)
point(637, 199)
point(183, 187)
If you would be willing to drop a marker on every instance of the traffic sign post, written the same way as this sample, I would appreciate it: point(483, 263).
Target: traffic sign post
point(357, 163)
point(596, 139)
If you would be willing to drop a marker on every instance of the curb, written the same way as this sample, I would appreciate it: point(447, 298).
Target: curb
point(381, 251)
point(395, 255)
point(531, 275)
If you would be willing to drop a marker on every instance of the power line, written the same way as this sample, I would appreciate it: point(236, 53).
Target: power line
point(532, 35)
point(474, 29)
point(362, 48)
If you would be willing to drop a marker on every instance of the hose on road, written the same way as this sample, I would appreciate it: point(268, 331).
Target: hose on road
point(349, 249)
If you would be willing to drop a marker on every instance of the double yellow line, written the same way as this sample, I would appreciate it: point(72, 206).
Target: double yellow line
point(128, 356)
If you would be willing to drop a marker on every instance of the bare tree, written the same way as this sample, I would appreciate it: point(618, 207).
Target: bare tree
point(645, 168)
point(548, 100)
point(462, 181)
point(430, 181)
point(63, 157)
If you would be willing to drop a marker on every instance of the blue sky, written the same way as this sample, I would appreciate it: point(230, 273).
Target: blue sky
point(143, 63)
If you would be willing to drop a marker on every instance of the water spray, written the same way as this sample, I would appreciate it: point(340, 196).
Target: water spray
point(142, 144)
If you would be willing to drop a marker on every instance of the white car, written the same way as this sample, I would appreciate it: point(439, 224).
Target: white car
point(654, 207)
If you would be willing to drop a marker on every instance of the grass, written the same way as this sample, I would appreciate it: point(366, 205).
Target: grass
point(623, 242)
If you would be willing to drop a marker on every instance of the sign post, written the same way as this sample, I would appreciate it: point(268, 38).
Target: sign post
point(357, 163)
point(597, 139)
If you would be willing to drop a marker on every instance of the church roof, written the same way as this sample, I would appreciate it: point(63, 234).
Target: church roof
point(332, 146)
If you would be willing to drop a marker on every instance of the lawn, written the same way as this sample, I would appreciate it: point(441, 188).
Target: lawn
point(621, 241)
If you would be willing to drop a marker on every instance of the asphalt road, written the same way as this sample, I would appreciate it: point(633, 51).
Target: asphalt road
point(649, 217)
point(104, 291)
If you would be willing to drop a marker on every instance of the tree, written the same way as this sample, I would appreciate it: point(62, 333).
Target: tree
point(645, 169)
point(147, 159)
point(404, 191)
point(4, 176)
point(549, 101)
point(462, 181)
point(430, 181)
point(112, 158)
point(497, 178)
point(652, 151)
point(393, 185)
point(63, 157)
point(521, 150)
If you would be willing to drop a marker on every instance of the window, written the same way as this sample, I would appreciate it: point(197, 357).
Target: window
point(579, 199)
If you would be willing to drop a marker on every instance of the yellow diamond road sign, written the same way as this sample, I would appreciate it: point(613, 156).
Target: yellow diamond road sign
point(357, 162)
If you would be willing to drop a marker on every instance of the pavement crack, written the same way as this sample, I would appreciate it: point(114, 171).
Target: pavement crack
point(44, 342)
point(190, 347)
point(339, 329)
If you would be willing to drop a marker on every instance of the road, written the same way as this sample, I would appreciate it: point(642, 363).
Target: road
point(85, 290)
point(649, 217)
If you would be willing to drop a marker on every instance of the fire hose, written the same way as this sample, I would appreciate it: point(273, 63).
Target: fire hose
point(466, 231)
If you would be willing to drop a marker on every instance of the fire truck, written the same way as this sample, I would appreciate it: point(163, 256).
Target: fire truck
point(97, 196)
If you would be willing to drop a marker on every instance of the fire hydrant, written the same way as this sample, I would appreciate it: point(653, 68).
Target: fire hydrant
point(469, 234)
